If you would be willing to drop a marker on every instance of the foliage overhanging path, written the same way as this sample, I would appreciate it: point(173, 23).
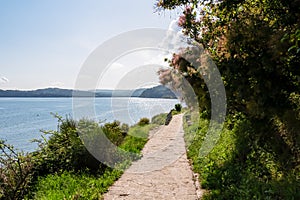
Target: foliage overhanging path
point(162, 173)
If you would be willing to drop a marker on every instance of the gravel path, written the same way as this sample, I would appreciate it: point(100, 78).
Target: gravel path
point(162, 173)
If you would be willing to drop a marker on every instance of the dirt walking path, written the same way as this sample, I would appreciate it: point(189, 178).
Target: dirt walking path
point(162, 173)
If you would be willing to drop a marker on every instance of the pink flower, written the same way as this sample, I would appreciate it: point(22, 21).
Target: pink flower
point(181, 21)
point(188, 10)
point(175, 59)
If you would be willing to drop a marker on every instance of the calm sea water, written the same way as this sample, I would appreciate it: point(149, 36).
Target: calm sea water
point(21, 119)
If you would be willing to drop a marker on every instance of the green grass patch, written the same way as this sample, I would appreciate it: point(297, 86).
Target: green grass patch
point(70, 185)
point(136, 139)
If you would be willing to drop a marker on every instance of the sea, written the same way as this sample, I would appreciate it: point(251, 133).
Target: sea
point(23, 119)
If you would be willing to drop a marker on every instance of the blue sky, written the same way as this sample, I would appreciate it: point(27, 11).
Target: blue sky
point(44, 43)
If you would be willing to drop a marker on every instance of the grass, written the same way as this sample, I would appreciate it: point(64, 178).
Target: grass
point(136, 139)
point(70, 185)
point(161, 118)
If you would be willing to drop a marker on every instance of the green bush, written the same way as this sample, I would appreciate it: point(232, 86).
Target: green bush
point(178, 107)
point(159, 119)
point(114, 132)
point(143, 121)
point(64, 149)
point(16, 172)
point(125, 128)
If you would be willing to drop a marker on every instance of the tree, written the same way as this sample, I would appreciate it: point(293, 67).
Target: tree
point(255, 45)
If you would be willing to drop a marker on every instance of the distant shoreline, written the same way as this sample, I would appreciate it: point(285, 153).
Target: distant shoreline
point(84, 97)
point(155, 92)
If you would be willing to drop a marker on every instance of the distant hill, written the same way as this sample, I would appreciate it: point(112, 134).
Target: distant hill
point(48, 92)
point(156, 92)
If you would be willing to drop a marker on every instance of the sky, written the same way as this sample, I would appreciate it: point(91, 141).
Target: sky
point(45, 43)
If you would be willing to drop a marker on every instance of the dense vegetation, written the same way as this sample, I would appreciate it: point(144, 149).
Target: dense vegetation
point(62, 167)
point(256, 46)
point(241, 166)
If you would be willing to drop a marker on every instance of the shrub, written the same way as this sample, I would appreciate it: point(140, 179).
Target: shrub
point(65, 150)
point(143, 121)
point(68, 147)
point(113, 132)
point(159, 119)
point(125, 128)
point(16, 172)
point(178, 107)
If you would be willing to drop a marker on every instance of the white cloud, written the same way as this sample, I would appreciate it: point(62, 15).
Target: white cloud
point(3, 80)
